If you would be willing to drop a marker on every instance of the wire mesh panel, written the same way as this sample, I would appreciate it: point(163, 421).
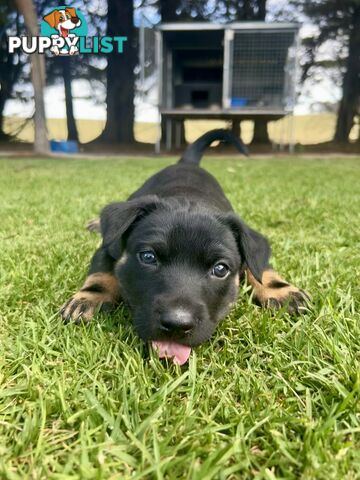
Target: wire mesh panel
point(260, 75)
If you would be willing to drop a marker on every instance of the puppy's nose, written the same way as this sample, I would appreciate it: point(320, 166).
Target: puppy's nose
point(177, 320)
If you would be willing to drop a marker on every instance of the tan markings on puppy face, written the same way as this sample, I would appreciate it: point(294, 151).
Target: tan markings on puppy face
point(99, 290)
point(123, 259)
point(276, 292)
point(237, 281)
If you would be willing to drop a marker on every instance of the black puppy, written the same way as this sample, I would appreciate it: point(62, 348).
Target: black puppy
point(175, 252)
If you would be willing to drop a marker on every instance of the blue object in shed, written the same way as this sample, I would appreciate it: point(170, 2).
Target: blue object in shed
point(239, 101)
point(64, 146)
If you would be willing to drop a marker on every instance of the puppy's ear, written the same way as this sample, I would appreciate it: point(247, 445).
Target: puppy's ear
point(254, 248)
point(52, 18)
point(117, 218)
point(71, 11)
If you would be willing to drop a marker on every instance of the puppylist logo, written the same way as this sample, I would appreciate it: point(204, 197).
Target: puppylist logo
point(63, 31)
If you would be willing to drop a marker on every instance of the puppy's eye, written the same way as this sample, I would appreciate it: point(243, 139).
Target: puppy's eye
point(148, 257)
point(220, 270)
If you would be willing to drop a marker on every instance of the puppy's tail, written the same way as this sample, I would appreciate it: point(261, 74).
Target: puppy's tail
point(195, 151)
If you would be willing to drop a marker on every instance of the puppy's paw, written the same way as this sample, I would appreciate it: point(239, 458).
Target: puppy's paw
point(83, 306)
point(274, 292)
point(94, 225)
point(294, 300)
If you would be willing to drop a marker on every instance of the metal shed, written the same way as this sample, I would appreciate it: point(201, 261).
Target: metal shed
point(236, 71)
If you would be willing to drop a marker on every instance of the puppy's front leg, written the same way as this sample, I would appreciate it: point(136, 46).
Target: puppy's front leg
point(101, 290)
point(274, 292)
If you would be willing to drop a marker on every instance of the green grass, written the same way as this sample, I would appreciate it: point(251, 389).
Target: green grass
point(268, 397)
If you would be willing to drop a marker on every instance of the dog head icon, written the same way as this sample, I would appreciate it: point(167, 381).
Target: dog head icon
point(63, 20)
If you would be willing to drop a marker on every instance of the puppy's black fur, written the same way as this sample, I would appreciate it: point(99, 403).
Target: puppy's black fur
point(175, 251)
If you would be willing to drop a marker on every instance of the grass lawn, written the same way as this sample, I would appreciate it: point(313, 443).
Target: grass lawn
point(268, 397)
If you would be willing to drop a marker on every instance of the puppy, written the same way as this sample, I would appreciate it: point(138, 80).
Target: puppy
point(175, 251)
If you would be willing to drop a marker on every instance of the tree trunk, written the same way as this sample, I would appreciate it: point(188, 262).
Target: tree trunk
point(261, 13)
point(168, 10)
point(9, 73)
point(70, 119)
point(8, 76)
point(351, 84)
point(3, 98)
point(261, 135)
point(41, 144)
point(119, 127)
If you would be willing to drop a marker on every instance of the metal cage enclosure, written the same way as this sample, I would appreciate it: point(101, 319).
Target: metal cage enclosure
point(236, 71)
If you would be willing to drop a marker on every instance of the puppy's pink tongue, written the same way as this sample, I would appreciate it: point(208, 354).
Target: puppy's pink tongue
point(179, 353)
